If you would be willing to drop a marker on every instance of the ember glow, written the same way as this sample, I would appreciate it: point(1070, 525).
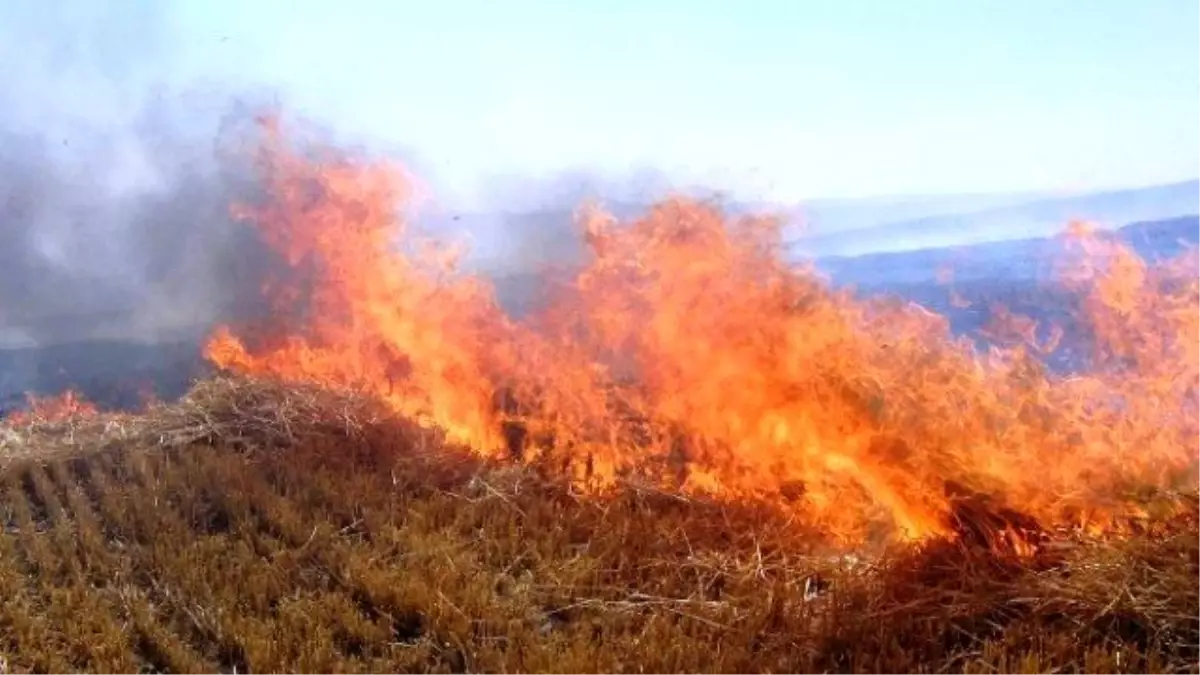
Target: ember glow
point(686, 351)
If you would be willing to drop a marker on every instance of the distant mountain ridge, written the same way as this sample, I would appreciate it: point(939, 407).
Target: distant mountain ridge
point(505, 243)
point(1019, 259)
point(1039, 218)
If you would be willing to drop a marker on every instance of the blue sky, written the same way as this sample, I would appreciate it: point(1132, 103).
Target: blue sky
point(783, 100)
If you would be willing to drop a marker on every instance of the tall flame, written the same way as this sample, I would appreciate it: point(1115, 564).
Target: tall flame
point(685, 349)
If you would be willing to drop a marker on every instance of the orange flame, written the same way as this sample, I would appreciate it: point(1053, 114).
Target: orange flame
point(686, 349)
point(56, 408)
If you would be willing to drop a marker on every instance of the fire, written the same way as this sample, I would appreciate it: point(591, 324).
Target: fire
point(685, 349)
point(63, 406)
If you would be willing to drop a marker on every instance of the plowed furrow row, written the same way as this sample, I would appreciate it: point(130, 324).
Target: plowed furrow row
point(362, 624)
point(82, 608)
point(206, 570)
point(110, 575)
point(274, 601)
point(164, 633)
point(31, 639)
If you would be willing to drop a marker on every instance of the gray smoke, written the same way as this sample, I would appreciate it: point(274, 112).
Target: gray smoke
point(122, 151)
point(528, 223)
point(87, 255)
point(117, 173)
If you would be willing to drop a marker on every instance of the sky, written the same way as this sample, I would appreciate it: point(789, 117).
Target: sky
point(115, 188)
point(774, 99)
point(795, 98)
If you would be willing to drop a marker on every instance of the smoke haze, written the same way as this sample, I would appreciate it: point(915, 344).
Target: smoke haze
point(120, 157)
point(114, 197)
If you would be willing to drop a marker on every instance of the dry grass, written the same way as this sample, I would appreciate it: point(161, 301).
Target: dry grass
point(261, 528)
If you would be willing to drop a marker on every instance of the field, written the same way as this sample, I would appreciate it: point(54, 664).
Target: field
point(689, 455)
point(254, 527)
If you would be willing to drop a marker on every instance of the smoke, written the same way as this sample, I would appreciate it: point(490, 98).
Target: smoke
point(525, 224)
point(117, 172)
point(123, 145)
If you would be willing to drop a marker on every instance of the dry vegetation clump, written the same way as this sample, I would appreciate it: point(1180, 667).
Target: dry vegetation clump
point(262, 528)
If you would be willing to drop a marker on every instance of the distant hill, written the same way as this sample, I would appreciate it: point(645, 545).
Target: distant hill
point(994, 262)
point(1029, 258)
point(820, 217)
point(1038, 218)
point(512, 243)
point(1159, 239)
point(1010, 273)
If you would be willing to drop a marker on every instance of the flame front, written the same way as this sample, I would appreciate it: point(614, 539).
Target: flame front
point(686, 350)
point(64, 406)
